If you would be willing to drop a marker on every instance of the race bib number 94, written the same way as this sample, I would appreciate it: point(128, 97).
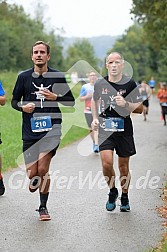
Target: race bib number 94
point(115, 124)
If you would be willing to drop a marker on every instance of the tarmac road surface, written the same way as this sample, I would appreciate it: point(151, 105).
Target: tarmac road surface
point(80, 222)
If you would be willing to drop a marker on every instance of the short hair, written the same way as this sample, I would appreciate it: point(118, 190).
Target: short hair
point(107, 58)
point(40, 42)
point(91, 72)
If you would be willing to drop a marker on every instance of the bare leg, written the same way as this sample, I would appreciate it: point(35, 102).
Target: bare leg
point(123, 163)
point(145, 112)
point(95, 133)
point(108, 170)
point(109, 174)
point(94, 136)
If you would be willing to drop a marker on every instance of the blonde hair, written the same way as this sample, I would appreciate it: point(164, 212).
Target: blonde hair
point(40, 42)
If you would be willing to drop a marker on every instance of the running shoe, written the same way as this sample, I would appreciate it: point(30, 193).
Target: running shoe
point(43, 214)
point(111, 203)
point(95, 148)
point(34, 184)
point(2, 187)
point(125, 207)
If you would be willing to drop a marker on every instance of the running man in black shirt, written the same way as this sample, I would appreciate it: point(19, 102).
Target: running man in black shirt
point(36, 94)
point(119, 96)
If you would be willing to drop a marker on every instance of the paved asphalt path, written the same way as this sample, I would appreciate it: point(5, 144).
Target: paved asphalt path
point(78, 195)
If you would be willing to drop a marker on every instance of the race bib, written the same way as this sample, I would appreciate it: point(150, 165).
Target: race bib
point(144, 97)
point(40, 124)
point(115, 124)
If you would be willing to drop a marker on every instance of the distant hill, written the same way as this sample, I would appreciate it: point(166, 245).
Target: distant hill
point(101, 44)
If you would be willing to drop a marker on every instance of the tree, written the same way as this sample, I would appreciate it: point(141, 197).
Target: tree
point(18, 33)
point(81, 50)
point(152, 14)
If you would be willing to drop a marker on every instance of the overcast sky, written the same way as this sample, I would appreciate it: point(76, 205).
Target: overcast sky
point(84, 18)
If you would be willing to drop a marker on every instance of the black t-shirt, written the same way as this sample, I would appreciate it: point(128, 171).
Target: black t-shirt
point(25, 91)
point(106, 91)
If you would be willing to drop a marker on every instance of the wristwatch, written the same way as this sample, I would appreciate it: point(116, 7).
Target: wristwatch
point(127, 105)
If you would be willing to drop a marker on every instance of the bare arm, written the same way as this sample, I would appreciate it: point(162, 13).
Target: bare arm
point(87, 96)
point(2, 100)
point(94, 109)
point(138, 108)
point(148, 90)
point(131, 107)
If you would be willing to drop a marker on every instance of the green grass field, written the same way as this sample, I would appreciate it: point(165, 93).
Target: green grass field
point(73, 127)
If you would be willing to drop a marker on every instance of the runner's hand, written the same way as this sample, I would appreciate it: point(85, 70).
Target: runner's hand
point(95, 124)
point(120, 101)
point(48, 95)
point(29, 107)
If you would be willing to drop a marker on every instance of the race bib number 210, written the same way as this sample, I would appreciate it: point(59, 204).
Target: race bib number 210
point(40, 124)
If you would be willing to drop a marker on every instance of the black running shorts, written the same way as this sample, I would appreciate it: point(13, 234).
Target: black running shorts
point(32, 148)
point(123, 145)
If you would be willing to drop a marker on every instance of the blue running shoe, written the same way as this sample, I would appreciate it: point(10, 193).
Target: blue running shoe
point(125, 207)
point(95, 148)
point(111, 203)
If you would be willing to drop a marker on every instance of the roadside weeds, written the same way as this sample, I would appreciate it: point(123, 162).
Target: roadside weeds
point(162, 212)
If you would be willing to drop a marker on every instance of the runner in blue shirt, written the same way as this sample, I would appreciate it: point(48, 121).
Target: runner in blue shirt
point(152, 83)
point(86, 94)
